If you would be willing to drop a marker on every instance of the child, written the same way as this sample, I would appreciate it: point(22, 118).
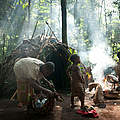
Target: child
point(77, 81)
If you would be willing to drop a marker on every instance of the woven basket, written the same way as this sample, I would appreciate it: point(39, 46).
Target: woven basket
point(46, 108)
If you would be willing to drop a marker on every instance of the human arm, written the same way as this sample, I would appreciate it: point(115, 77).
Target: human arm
point(83, 66)
point(79, 74)
point(68, 72)
point(36, 85)
point(50, 84)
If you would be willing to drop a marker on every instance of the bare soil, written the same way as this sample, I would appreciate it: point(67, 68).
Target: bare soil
point(62, 111)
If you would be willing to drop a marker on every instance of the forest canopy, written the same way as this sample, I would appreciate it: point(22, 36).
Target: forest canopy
point(88, 26)
point(18, 19)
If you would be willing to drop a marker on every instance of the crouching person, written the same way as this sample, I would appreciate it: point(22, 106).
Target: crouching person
point(98, 98)
point(29, 72)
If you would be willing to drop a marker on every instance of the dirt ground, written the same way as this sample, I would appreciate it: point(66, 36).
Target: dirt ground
point(62, 111)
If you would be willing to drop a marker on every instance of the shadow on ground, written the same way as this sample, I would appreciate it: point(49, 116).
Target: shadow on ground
point(62, 111)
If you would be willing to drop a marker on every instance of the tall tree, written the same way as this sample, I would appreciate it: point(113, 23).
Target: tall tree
point(64, 21)
point(75, 13)
point(29, 3)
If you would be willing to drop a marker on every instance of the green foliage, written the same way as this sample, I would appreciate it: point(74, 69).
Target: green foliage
point(117, 4)
point(23, 3)
point(11, 26)
point(18, 12)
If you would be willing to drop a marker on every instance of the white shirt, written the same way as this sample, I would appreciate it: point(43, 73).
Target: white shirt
point(28, 68)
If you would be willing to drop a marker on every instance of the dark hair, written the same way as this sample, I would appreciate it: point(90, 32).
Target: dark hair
point(50, 66)
point(73, 57)
point(118, 54)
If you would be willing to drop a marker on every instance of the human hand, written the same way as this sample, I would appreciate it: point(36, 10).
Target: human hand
point(58, 97)
point(50, 93)
point(51, 85)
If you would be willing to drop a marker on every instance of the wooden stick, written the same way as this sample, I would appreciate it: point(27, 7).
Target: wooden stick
point(11, 99)
point(34, 29)
point(13, 95)
point(52, 31)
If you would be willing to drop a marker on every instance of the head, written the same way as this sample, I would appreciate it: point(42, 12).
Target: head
point(89, 69)
point(92, 85)
point(75, 58)
point(47, 69)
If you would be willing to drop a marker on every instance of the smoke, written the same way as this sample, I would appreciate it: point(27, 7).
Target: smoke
point(29, 23)
point(71, 31)
point(99, 53)
point(11, 19)
point(101, 60)
point(51, 13)
point(13, 22)
point(56, 18)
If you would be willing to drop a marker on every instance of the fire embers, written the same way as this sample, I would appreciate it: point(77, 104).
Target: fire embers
point(98, 98)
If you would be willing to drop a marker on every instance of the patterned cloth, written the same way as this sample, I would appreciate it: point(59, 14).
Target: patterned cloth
point(88, 113)
point(24, 91)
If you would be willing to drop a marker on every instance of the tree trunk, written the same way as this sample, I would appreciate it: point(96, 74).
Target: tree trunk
point(3, 46)
point(76, 18)
point(29, 3)
point(119, 12)
point(105, 16)
point(75, 11)
point(51, 17)
point(100, 14)
point(64, 22)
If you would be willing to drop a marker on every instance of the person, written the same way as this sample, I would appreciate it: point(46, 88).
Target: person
point(110, 78)
point(88, 76)
point(98, 98)
point(117, 67)
point(29, 72)
point(77, 81)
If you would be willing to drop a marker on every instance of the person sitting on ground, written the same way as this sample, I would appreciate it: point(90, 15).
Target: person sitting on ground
point(77, 81)
point(90, 75)
point(98, 97)
point(29, 72)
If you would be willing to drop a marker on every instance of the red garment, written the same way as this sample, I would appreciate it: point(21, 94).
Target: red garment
point(91, 113)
